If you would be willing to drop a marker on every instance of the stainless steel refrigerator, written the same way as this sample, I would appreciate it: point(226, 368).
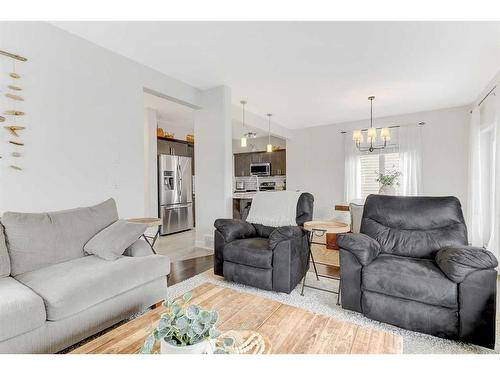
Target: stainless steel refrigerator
point(175, 193)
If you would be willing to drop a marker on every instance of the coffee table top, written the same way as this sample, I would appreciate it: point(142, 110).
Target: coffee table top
point(289, 329)
point(327, 226)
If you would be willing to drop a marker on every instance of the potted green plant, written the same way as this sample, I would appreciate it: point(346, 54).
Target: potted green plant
point(183, 329)
point(387, 181)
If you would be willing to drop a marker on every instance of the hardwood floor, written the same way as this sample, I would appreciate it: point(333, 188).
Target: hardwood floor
point(184, 269)
point(180, 246)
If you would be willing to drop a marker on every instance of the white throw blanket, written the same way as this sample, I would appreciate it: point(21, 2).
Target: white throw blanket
point(275, 209)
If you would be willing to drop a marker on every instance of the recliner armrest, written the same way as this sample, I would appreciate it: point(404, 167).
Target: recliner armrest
point(363, 247)
point(283, 234)
point(457, 262)
point(234, 229)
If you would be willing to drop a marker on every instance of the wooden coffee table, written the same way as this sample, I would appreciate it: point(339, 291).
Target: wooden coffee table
point(288, 329)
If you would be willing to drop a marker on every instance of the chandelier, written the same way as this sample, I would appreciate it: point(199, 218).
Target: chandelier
point(371, 134)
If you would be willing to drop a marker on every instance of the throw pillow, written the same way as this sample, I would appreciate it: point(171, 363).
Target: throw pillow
point(111, 242)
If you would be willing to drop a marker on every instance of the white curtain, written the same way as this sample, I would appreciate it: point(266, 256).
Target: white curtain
point(352, 170)
point(494, 241)
point(410, 159)
point(483, 217)
point(475, 207)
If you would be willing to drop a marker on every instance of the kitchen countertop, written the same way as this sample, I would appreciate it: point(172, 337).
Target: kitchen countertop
point(244, 195)
point(248, 194)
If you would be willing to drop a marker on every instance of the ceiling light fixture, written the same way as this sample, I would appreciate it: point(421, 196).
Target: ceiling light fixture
point(269, 147)
point(244, 137)
point(371, 134)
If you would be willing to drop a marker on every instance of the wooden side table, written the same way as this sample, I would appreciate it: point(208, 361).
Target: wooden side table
point(320, 229)
point(150, 222)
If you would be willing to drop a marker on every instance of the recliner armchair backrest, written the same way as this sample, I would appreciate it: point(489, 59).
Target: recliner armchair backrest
point(414, 226)
point(305, 206)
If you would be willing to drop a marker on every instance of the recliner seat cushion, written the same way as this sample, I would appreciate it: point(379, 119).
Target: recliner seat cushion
point(39, 240)
point(409, 278)
point(21, 310)
point(70, 287)
point(253, 252)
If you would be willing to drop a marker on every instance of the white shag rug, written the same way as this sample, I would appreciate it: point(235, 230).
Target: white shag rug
point(325, 303)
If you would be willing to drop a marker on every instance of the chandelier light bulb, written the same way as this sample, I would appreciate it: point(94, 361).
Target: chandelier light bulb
point(244, 141)
point(385, 134)
point(357, 136)
point(372, 134)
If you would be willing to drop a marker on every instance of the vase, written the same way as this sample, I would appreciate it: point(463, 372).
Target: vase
point(387, 190)
point(202, 347)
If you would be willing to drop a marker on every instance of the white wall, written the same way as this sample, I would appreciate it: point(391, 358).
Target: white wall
point(213, 167)
point(315, 157)
point(85, 114)
point(150, 164)
point(260, 144)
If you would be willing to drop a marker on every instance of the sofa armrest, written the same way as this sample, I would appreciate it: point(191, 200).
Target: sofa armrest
point(139, 248)
point(283, 234)
point(457, 262)
point(363, 247)
point(234, 229)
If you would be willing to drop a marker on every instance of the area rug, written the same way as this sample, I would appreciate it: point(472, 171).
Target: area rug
point(325, 303)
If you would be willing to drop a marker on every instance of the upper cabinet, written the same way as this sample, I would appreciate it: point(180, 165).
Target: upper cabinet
point(277, 159)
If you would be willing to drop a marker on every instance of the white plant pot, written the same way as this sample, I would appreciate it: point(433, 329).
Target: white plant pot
point(203, 347)
point(387, 190)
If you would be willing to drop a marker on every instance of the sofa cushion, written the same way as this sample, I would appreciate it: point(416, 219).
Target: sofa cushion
point(4, 255)
point(252, 252)
point(70, 287)
point(21, 310)
point(414, 279)
point(111, 242)
point(36, 241)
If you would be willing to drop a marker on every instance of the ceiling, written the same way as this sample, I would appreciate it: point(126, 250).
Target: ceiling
point(182, 116)
point(316, 73)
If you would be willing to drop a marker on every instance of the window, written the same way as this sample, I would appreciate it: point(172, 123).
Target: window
point(371, 164)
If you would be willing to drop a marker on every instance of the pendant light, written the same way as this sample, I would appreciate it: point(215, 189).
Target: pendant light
point(269, 147)
point(371, 135)
point(243, 137)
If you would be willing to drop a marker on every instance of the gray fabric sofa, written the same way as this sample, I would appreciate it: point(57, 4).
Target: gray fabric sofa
point(261, 256)
point(411, 267)
point(53, 295)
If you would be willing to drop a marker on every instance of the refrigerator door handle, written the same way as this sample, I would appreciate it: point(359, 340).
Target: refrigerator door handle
point(179, 180)
point(176, 206)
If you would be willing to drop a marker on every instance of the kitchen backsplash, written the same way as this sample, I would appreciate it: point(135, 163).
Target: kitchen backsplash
point(251, 182)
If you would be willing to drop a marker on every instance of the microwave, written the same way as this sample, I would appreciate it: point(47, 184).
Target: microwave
point(260, 169)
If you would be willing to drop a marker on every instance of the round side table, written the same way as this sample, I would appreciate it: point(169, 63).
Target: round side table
point(320, 229)
point(150, 222)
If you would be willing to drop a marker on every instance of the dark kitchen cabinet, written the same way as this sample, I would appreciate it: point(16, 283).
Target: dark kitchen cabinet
point(175, 147)
point(277, 159)
point(278, 163)
point(242, 164)
point(190, 149)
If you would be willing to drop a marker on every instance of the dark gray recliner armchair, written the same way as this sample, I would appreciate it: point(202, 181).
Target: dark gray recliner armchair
point(261, 256)
point(411, 267)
